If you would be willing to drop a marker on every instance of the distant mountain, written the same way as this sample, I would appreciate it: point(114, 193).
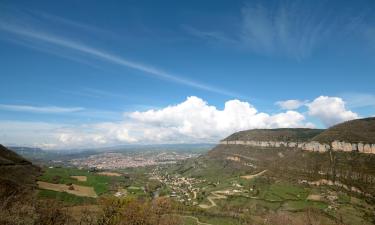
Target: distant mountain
point(28, 152)
point(353, 131)
point(281, 134)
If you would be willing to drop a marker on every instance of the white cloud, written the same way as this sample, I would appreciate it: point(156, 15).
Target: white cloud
point(40, 109)
point(28, 133)
point(330, 110)
point(194, 119)
point(190, 121)
point(290, 104)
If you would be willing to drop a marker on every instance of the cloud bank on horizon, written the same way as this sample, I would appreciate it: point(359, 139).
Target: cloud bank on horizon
point(191, 121)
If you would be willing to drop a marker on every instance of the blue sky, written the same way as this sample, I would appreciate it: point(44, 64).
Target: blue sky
point(82, 73)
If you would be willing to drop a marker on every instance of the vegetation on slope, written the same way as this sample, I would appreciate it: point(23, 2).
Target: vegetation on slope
point(353, 131)
point(8, 157)
point(16, 173)
point(281, 134)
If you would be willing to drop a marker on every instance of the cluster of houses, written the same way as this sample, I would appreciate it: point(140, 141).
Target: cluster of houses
point(308, 146)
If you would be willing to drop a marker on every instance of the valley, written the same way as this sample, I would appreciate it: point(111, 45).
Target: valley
point(229, 184)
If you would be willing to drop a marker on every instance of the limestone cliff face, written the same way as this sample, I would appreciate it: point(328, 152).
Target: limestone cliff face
point(308, 146)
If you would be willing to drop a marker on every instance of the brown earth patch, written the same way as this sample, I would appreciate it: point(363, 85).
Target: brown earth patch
point(80, 178)
point(76, 190)
point(249, 177)
point(110, 174)
point(314, 197)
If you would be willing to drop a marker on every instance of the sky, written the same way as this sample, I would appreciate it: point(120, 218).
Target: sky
point(82, 74)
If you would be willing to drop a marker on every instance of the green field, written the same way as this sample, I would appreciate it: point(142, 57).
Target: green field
point(101, 184)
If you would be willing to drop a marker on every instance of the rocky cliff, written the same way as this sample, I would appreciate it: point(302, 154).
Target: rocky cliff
point(309, 146)
point(356, 135)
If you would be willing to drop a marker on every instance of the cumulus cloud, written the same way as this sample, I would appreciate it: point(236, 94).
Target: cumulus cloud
point(290, 104)
point(330, 110)
point(190, 121)
point(196, 119)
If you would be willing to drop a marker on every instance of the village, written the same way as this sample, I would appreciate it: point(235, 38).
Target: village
point(184, 189)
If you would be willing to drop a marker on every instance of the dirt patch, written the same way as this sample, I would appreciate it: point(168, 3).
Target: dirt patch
point(76, 190)
point(110, 174)
point(234, 158)
point(314, 197)
point(80, 178)
point(249, 177)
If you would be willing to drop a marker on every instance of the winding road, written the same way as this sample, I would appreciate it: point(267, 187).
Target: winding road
point(223, 194)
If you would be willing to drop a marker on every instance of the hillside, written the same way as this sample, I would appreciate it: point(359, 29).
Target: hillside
point(8, 157)
point(286, 163)
point(281, 134)
point(17, 173)
point(353, 131)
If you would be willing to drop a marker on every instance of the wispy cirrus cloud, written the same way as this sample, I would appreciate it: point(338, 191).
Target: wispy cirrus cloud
point(289, 29)
point(40, 109)
point(26, 31)
point(209, 35)
point(87, 113)
point(358, 100)
point(73, 24)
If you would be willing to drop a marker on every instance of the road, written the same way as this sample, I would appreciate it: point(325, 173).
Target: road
point(223, 194)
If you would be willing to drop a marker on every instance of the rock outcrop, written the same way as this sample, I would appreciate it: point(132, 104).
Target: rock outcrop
point(350, 136)
point(308, 146)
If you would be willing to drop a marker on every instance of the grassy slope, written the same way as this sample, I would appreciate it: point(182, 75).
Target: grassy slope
point(361, 130)
point(8, 157)
point(16, 173)
point(282, 134)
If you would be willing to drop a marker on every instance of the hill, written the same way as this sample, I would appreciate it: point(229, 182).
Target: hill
point(29, 152)
point(8, 157)
point(353, 131)
point(17, 173)
point(281, 134)
point(263, 180)
point(292, 164)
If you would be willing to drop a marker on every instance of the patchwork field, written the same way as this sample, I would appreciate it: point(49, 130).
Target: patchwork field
point(214, 200)
point(77, 186)
point(71, 189)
